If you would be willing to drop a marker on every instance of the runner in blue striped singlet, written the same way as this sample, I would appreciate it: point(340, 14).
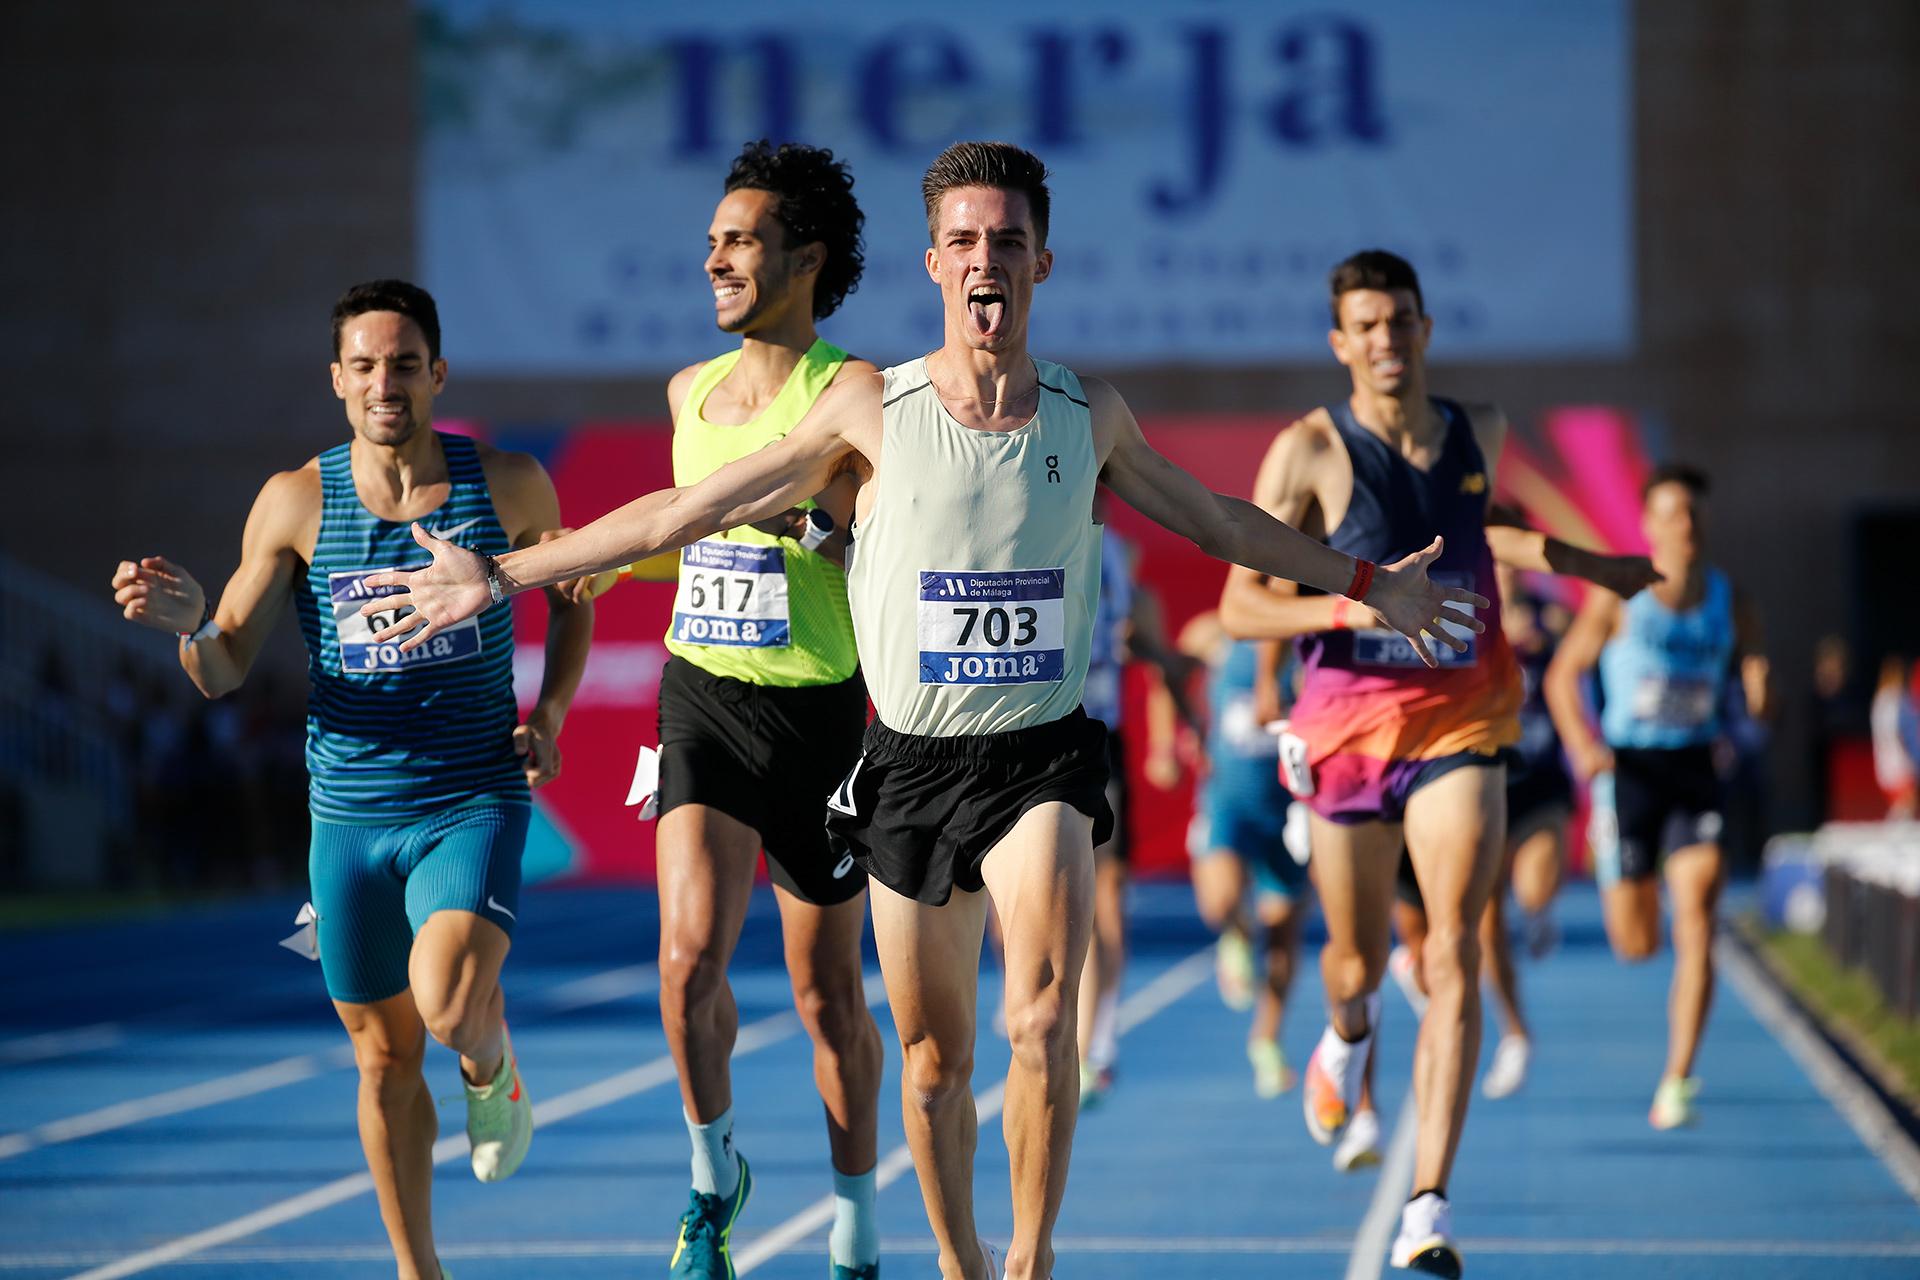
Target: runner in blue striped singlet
point(419, 761)
point(973, 585)
point(1665, 658)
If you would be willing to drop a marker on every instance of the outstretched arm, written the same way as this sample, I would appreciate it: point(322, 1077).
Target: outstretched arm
point(1532, 550)
point(455, 586)
point(157, 593)
point(1235, 530)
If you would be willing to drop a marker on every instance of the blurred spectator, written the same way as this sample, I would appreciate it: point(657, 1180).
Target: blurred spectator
point(1893, 738)
point(199, 795)
point(1838, 717)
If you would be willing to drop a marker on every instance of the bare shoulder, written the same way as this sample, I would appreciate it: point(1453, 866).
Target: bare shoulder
point(681, 383)
point(853, 367)
point(287, 512)
point(508, 468)
point(1303, 446)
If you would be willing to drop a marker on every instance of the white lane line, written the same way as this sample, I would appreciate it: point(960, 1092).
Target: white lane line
point(599, 1094)
point(58, 1044)
point(753, 1037)
point(209, 1093)
point(1136, 1009)
point(1370, 1246)
point(567, 997)
point(1864, 1111)
point(1279, 1246)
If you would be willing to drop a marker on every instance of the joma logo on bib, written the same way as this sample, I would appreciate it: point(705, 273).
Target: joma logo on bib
point(992, 628)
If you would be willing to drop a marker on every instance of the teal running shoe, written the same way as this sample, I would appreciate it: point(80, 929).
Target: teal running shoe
point(705, 1249)
point(856, 1273)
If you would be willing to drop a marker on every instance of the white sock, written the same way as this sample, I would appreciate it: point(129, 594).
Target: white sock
point(1104, 1045)
point(716, 1166)
point(855, 1238)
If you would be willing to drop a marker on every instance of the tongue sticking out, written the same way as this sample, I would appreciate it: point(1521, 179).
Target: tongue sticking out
point(986, 311)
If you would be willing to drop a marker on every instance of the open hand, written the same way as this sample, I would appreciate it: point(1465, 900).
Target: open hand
point(158, 593)
point(1410, 602)
point(451, 589)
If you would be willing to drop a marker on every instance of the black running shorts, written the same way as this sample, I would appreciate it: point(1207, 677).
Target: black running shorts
point(1654, 802)
point(767, 756)
point(921, 814)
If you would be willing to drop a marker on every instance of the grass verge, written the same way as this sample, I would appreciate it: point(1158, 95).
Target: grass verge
point(1849, 1003)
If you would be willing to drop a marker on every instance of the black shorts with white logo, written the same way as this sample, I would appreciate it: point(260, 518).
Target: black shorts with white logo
point(921, 814)
point(767, 756)
point(1658, 800)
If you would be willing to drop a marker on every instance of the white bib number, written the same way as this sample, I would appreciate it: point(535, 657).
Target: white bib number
point(1674, 702)
point(993, 628)
point(1381, 647)
point(359, 652)
point(732, 593)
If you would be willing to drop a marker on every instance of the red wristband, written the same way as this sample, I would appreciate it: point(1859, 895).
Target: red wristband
point(1362, 579)
point(1340, 604)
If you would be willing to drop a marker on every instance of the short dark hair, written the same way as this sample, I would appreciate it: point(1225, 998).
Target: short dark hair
point(988, 164)
point(1373, 269)
point(813, 204)
point(1690, 478)
point(410, 300)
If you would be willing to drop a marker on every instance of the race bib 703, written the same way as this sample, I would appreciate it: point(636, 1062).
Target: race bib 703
point(993, 628)
point(358, 650)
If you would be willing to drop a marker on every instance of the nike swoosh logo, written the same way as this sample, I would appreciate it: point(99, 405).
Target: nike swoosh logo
point(448, 535)
point(846, 865)
point(495, 906)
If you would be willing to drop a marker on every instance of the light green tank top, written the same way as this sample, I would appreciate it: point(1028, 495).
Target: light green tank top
point(752, 606)
point(975, 576)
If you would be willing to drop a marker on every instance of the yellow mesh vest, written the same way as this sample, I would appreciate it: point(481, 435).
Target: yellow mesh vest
point(752, 606)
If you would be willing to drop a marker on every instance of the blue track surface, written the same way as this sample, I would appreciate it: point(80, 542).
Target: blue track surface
point(242, 1099)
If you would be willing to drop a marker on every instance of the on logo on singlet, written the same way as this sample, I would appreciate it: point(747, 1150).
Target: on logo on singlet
point(1005, 627)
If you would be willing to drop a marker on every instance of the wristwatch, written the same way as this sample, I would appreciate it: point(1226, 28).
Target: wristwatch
point(819, 529)
point(207, 629)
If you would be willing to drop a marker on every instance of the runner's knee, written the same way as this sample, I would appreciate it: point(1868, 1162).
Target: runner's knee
point(1351, 971)
point(1041, 1029)
point(692, 972)
point(934, 1074)
point(833, 1012)
point(1450, 957)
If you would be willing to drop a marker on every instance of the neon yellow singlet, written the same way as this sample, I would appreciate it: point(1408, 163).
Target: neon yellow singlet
point(752, 606)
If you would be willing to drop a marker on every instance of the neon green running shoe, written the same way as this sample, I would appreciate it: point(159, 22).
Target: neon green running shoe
point(499, 1119)
point(1271, 1075)
point(1233, 970)
point(1673, 1103)
point(705, 1250)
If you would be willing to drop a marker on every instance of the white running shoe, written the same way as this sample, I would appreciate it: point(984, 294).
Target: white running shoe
point(1508, 1071)
point(993, 1259)
point(1400, 965)
point(1360, 1145)
point(1425, 1243)
point(1330, 1088)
